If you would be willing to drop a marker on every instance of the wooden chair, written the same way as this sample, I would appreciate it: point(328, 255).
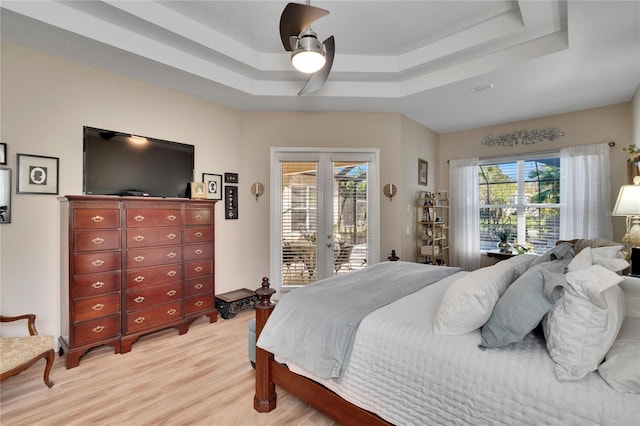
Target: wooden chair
point(19, 353)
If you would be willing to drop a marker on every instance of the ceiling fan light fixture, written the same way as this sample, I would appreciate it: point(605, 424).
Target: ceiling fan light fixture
point(308, 56)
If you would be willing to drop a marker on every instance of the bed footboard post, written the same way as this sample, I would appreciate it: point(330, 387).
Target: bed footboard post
point(265, 397)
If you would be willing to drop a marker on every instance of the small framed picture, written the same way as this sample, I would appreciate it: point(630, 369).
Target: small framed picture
point(3, 153)
point(231, 178)
point(231, 202)
point(423, 171)
point(37, 174)
point(5, 195)
point(198, 191)
point(213, 185)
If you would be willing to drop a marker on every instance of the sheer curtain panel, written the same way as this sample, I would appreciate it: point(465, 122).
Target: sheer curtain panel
point(585, 187)
point(464, 204)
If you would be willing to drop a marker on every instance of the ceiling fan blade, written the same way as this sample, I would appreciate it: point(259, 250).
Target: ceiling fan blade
point(317, 79)
point(295, 18)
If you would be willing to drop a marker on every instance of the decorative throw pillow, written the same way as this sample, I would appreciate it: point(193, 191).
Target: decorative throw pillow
point(562, 251)
point(468, 302)
point(621, 368)
point(523, 304)
point(584, 322)
point(609, 257)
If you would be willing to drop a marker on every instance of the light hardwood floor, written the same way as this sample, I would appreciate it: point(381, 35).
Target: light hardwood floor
point(200, 378)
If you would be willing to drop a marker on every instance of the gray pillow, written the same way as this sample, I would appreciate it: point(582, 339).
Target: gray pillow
point(523, 304)
point(563, 251)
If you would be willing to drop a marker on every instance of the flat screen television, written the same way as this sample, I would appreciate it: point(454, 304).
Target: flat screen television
point(117, 163)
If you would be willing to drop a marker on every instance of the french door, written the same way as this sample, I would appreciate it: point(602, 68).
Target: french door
point(323, 214)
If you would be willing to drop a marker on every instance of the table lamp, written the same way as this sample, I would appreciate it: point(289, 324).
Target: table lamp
point(628, 204)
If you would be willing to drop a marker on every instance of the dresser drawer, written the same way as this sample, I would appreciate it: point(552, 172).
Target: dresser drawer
point(198, 303)
point(198, 216)
point(196, 234)
point(197, 268)
point(158, 315)
point(151, 296)
point(99, 329)
point(96, 284)
point(140, 278)
point(198, 251)
point(94, 240)
point(198, 285)
point(144, 258)
point(95, 219)
point(158, 217)
point(92, 263)
point(96, 307)
point(146, 237)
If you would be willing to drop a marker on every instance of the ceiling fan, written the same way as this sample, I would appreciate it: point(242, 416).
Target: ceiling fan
point(308, 55)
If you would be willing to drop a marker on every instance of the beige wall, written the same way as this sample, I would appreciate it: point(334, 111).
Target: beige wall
point(635, 113)
point(612, 123)
point(45, 102)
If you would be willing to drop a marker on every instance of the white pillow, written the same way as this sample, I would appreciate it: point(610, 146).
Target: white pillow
point(611, 258)
point(468, 302)
point(582, 260)
point(584, 322)
point(621, 369)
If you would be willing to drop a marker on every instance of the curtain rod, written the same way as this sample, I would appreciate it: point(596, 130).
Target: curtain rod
point(536, 153)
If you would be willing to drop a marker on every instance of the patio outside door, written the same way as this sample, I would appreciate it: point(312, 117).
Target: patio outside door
point(321, 215)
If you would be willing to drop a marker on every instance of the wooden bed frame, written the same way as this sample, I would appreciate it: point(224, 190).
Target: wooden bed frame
point(270, 373)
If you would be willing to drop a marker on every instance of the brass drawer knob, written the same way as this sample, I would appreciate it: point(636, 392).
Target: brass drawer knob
point(139, 320)
point(199, 303)
point(138, 238)
point(171, 236)
point(198, 268)
point(172, 311)
point(199, 216)
point(171, 255)
point(171, 293)
point(172, 217)
point(98, 329)
point(139, 299)
point(199, 234)
point(172, 273)
point(198, 286)
point(199, 251)
point(98, 262)
point(98, 307)
point(97, 241)
point(138, 218)
point(97, 219)
point(97, 284)
point(138, 258)
point(139, 279)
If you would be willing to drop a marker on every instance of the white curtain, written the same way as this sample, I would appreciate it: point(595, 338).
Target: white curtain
point(464, 213)
point(585, 188)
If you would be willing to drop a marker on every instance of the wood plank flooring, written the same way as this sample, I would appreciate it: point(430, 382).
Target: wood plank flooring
point(200, 378)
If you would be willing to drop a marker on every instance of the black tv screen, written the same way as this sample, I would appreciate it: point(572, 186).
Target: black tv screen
point(118, 163)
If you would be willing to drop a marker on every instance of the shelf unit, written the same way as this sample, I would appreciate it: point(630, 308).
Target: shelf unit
point(432, 239)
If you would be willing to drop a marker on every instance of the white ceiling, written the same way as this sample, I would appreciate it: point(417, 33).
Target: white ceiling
point(418, 58)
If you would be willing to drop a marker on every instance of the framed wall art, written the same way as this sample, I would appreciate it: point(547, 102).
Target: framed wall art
point(3, 153)
point(231, 202)
point(37, 174)
point(213, 185)
point(5, 195)
point(423, 171)
point(231, 178)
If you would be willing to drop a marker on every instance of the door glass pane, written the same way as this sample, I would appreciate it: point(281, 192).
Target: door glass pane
point(299, 222)
point(350, 211)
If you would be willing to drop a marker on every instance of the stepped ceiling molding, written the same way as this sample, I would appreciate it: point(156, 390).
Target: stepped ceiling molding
point(422, 59)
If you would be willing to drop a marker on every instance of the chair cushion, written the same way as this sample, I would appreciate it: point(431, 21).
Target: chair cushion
point(18, 350)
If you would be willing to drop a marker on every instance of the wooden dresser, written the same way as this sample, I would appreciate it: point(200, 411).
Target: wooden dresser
point(131, 266)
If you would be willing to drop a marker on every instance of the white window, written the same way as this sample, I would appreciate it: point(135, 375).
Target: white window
point(522, 197)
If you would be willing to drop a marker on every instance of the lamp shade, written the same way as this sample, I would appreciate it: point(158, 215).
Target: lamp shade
point(628, 203)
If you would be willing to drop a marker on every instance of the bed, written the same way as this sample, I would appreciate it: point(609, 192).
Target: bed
point(402, 366)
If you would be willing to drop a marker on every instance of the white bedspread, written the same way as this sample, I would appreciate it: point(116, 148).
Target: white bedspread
point(408, 376)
